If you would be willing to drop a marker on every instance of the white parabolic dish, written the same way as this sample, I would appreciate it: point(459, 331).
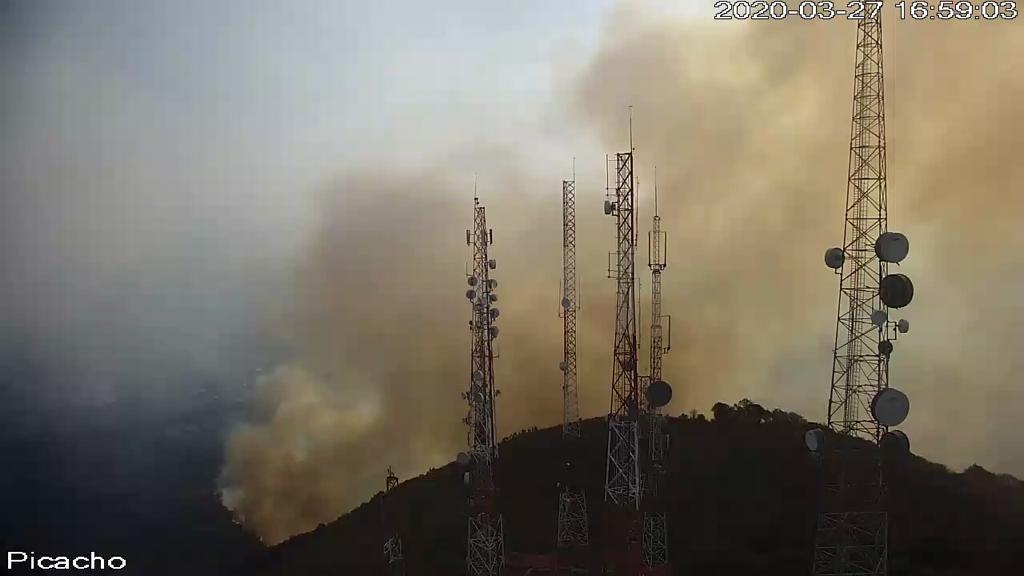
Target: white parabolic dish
point(890, 407)
point(834, 258)
point(879, 317)
point(895, 442)
point(659, 393)
point(815, 439)
point(892, 247)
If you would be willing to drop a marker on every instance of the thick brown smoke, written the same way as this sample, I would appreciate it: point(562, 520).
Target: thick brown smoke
point(385, 344)
point(748, 126)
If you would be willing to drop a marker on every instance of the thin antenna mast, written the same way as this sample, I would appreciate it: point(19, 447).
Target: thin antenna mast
point(573, 531)
point(655, 521)
point(631, 149)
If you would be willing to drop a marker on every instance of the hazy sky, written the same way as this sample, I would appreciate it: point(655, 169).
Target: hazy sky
point(194, 190)
point(176, 146)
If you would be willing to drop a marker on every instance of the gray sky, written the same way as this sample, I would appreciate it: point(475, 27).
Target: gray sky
point(177, 146)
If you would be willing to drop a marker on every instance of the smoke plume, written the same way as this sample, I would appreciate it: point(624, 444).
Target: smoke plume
point(748, 126)
point(385, 345)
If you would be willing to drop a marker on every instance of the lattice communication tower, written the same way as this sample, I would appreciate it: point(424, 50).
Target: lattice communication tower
point(573, 530)
point(485, 544)
point(393, 559)
point(852, 527)
point(622, 473)
point(655, 540)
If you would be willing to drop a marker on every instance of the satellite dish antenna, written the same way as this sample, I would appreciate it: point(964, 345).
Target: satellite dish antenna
point(608, 207)
point(472, 280)
point(492, 283)
point(492, 264)
point(566, 303)
point(815, 439)
point(895, 443)
point(494, 331)
point(659, 393)
point(470, 294)
point(834, 258)
point(494, 313)
point(896, 290)
point(890, 407)
point(493, 297)
point(892, 247)
point(879, 317)
point(463, 459)
point(885, 347)
point(478, 376)
point(903, 326)
point(563, 366)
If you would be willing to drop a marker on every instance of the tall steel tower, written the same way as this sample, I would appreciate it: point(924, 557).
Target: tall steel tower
point(485, 548)
point(393, 545)
point(851, 535)
point(572, 504)
point(655, 543)
point(622, 474)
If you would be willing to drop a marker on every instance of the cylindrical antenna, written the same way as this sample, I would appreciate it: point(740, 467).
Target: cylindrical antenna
point(655, 190)
point(631, 149)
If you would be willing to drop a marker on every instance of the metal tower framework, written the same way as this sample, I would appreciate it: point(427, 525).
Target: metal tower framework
point(485, 547)
point(622, 473)
point(622, 477)
point(851, 537)
point(573, 530)
point(393, 545)
point(655, 522)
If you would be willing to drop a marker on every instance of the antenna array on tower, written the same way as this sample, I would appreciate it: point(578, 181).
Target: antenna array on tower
point(852, 526)
point(622, 473)
point(485, 543)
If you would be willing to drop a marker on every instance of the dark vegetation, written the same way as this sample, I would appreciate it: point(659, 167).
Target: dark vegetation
point(742, 503)
point(117, 480)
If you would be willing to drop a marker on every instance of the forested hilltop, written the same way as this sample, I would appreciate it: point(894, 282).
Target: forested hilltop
point(742, 502)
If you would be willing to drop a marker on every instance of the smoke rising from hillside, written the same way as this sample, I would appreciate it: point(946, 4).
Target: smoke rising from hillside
point(383, 326)
point(748, 127)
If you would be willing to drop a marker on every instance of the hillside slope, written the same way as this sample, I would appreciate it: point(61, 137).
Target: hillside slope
point(742, 503)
